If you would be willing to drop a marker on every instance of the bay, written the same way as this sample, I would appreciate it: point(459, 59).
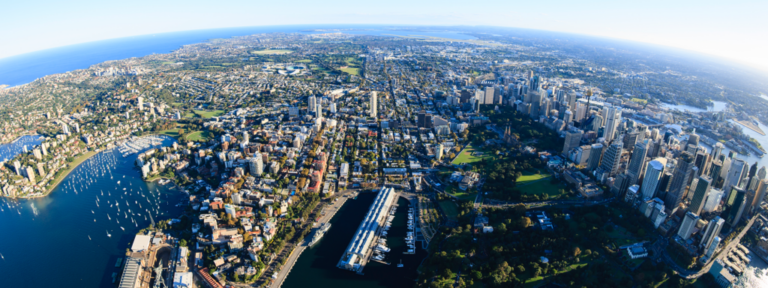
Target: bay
point(317, 266)
point(9, 150)
point(54, 242)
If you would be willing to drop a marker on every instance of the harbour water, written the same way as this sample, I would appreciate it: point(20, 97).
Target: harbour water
point(10, 150)
point(717, 106)
point(317, 266)
point(62, 240)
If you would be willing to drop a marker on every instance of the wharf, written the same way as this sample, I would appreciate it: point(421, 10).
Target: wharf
point(330, 211)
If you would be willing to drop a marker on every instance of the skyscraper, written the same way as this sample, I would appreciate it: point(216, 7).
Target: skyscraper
point(612, 120)
point(572, 140)
point(256, 165)
point(762, 187)
point(699, 195)
point(735, 205)
point(311, 104)
point(374, 104)
point(652, 177)
point(733, 178)
point(64, 128)
point(611, 158)
point(595, 156)
point(488, 95)
point(637, 162)
point(318, 108)
point(680, 178)
point(439, 153)
point(689, 222)
point(140, 103)
point(712, 231)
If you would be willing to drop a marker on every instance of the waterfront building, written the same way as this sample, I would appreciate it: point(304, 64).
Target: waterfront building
point(360, 246)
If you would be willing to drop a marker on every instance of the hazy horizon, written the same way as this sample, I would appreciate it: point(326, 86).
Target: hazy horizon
point(726, 30)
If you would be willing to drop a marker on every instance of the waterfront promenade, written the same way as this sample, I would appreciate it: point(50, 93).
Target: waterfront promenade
point(328, 213)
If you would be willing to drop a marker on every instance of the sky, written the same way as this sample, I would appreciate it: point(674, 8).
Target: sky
point(734, 30)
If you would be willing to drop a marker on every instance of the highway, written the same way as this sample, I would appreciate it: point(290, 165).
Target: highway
point(658, 248)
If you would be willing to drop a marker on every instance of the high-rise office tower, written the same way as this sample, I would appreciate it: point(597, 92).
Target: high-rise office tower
point(611, 158)
point(762, 187)
point(489, 93)
point(637, 162)
point(682, 174)
point(689, 223)
point(612, 120)
point(717, 150)
point(699, 195)
point(711, 231)
point(572, 140)
point(714, 171)
point(653, 174)
point(733, 178)
point(374, 104)
point(736, 201)
point(595, 155)
point(620, 185)
point(311, 104)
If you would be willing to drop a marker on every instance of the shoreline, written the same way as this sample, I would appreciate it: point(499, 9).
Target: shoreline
point(750, 126)
point(58, 181)
point(19, 138)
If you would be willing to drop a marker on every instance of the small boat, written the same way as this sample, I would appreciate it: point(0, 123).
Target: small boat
point(401, 264)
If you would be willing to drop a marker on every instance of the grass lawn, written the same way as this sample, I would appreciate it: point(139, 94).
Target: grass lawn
point(450, 209)
point(352, 71)
point(542, 187)
point(272, 52)
point(304, 61)
point(170, 132)
point(207, 114)
point(468, 156)
point(463, 195)
point(532, 175)
point(199, 136)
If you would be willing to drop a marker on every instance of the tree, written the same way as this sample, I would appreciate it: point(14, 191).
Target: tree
point(576, 252)
point(183, 243)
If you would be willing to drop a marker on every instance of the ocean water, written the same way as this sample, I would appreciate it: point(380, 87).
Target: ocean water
point(22, 69)
point(61, 240)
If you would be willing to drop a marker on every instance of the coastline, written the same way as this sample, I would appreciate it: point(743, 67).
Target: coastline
point(19, 138)
point(76, 163)
point(750, 126)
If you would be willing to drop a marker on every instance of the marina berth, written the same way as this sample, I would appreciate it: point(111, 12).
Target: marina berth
point(359, 248)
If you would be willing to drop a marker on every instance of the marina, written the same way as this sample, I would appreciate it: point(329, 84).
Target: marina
point(317, 266)
point(90, 199)
point(365, 244)
point(136, 144)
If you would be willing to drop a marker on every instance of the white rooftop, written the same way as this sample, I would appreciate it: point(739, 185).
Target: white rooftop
point(141, 243)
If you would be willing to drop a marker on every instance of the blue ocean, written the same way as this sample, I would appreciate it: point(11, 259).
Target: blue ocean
point(22, 69)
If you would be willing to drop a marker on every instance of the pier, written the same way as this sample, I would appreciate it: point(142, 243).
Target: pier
point(366, 239)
